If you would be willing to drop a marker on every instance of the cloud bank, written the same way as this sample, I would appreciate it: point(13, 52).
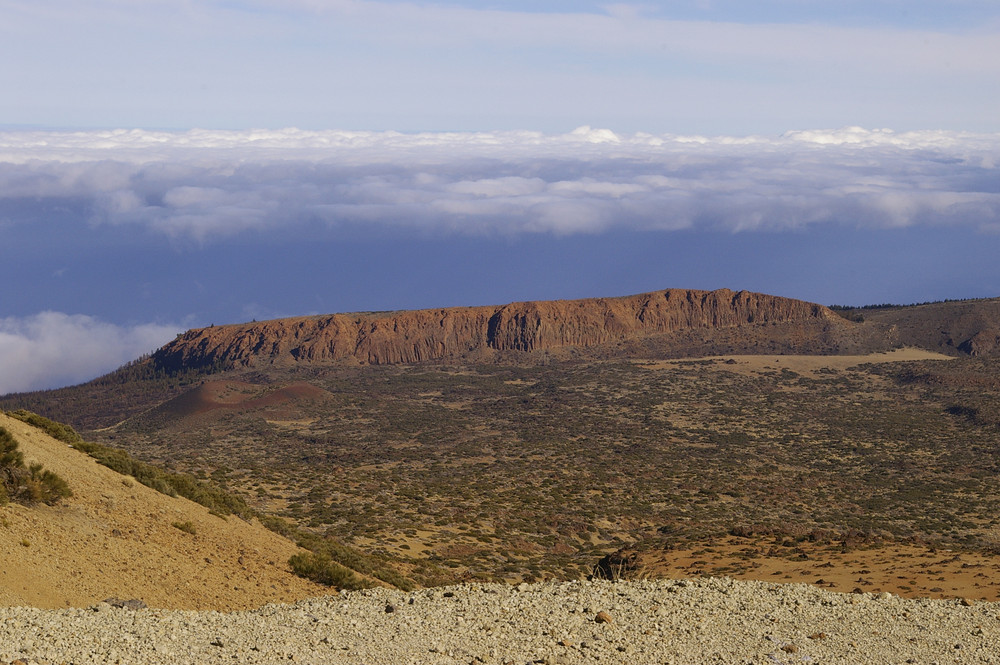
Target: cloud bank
point(207, 186)
point(54, 349)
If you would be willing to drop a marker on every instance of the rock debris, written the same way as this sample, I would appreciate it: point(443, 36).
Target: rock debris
point(663, 621)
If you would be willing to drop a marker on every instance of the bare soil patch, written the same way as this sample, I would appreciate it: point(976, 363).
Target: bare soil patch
point(802, 363)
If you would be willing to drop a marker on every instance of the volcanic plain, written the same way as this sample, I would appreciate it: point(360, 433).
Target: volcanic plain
point(674, 434)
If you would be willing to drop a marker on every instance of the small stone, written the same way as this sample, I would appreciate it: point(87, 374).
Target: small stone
point(603, 617)
point(818, 636)
point(216, 642)
point(790, 648)
point(390, 608)
point(965, 602)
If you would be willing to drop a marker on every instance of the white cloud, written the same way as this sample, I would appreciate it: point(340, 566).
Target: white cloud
point(52, 349)
point(209, 185)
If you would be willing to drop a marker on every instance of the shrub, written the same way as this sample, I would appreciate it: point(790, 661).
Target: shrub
point(10, 456)
point(57, 431)
point(33, 484)
point(325, 549)
point(186, 527)
point(319, 567)
point(218, 501)
point(44, 486)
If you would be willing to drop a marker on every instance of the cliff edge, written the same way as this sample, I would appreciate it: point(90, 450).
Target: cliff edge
point(452, 333)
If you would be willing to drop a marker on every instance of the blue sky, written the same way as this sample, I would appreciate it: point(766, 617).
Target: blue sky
point(685, 67)
point(170, 164)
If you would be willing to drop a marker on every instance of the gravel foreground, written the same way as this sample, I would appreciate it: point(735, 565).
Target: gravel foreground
point(664, 621)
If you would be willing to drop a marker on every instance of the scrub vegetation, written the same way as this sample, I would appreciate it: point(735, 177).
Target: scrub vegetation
point(538, 466)
point(506, 472)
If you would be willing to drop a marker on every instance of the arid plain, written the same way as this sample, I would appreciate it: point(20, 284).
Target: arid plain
point(671, 434)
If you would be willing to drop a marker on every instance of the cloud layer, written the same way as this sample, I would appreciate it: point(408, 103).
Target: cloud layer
point(192, 226)
point(54, 349)
point(210, 185)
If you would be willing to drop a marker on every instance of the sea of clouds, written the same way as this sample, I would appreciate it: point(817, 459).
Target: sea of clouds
point(208, 185)
point(204, 187)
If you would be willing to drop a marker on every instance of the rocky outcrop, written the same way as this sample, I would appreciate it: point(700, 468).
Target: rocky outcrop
point(983, 343)
point(956, 327)
point(417, 336)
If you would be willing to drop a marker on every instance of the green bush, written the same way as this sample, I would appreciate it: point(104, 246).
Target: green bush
point(186, 527)
point(44, 486)
point(57, 431)
point(10, 456)
point(33, 484)
point(319, 567)
point(215, 499)
point(324, 549)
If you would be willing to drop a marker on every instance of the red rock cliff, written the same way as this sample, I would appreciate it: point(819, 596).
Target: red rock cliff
point(415, 336)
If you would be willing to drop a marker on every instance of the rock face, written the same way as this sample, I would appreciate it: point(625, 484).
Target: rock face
point(417, 336)
point(983, 343)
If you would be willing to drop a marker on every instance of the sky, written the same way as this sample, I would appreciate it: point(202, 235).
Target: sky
point(169, 164)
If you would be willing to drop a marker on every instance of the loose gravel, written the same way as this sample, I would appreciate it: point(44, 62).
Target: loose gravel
point(665, 621)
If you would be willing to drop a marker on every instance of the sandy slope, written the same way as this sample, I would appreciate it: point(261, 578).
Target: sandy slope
point(115, 538)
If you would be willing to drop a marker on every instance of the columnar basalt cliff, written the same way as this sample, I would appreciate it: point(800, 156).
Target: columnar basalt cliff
point(423, 335)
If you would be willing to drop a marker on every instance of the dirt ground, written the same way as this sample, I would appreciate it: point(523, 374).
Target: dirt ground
point(803, 364)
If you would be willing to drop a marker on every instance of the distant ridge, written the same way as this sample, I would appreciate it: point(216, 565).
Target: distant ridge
point(479, 332)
